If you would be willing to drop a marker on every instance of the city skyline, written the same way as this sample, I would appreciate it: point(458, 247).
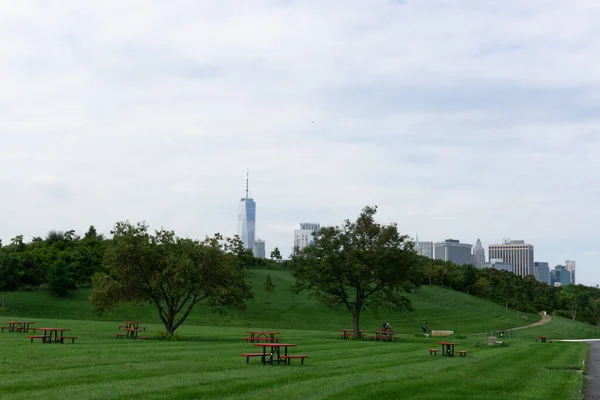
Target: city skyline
point(461, 120)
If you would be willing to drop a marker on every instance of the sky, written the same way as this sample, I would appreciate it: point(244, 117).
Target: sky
point(459, 119)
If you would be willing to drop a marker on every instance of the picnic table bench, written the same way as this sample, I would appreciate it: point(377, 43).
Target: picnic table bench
point(288, 359)
point(248, 355)
point(258, 339)
point(461, 353)
point(432, 352)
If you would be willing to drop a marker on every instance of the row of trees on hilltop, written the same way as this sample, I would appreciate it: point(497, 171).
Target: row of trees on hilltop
point(359, 265)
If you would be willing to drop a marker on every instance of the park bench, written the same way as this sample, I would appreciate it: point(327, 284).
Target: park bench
point(248, 355)
point(288, 359)
point(62, 339)
point(461, 353)
point(4, 327)
point(143, 337)
point(35, 337)
point(258, 339)
point(120, 335)
point(432, 352)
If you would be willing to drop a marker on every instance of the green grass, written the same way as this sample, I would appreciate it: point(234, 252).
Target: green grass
point(207, 364)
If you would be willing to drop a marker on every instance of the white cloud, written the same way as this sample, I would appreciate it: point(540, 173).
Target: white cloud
point(459, 119)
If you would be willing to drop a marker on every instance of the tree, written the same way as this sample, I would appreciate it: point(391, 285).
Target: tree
point(9, 274)
point(359, 264)
point(276, 254)
point(172, 273)
point(269, 286)
point(60, 280)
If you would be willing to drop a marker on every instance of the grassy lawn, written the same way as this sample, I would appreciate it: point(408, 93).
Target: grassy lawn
point(206, 363)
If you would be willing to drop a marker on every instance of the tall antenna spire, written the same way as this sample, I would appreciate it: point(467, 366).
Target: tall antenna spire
point(247, 173)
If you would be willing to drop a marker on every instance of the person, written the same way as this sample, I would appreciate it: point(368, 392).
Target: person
point(425, 327)
point(387, 326)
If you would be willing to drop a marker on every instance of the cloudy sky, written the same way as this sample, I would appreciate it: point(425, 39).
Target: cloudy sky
point(458, 118)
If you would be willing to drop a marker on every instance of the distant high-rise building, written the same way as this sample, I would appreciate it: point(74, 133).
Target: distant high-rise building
point(424, 248)
point(499, 264)
point(562, 276)
point(570, 265)
point(246, 224)
point(305, 236)
point(516, 252)
point(541, 271)
point(478, 254)
point(259, 248)
point(454, 251)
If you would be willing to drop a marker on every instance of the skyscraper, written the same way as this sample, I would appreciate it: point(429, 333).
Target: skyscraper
point(478, 254)
point(541, 271)
point(259, 248)
point(516, 252)
point(570, 265)
point(246, 224)
point(424, 248)
point(305, 235)
point(454, 251)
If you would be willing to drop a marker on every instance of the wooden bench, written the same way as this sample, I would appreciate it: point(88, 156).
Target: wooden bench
point(143, 337)
point(346, 335)
point(122, 326)
point(62, 339)
point(432, 352)
point(461, 353)
point(248, 355)
point(288, 359)
point(4, 327)
point(259, 339)
point(35, 337)
point(120, 335)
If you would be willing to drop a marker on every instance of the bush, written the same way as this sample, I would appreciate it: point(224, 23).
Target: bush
point(163, 335)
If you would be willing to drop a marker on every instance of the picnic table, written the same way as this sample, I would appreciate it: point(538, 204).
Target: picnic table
point(19, 326)
point(275, 350)
point(261, 335)
point(348, 333)
point(385, 335)
point(447, 348)
point(49, 333)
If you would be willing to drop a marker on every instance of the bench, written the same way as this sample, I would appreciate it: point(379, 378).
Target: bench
point(346, 335)
point(143, 337)
point(120, 335)
point(288, 359)
point(248, 355)
point(62, 339)
point(4, 327)
point(462, 353)
point(35, 337)
point(258, 339)
point(432, 352)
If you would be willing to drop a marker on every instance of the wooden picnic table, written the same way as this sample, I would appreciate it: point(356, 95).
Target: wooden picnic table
point(131, 333)
point(19, 326)
point(385, 335)
point(447, 348)
point(275, 350)
point(348, 333)
point(58, 334)
point(258, 334)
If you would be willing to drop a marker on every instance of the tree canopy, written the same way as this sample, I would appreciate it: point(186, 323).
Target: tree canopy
point(173, 273)
point(359, 265)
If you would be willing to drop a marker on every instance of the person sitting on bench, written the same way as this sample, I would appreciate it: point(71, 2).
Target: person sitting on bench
point(387, 326)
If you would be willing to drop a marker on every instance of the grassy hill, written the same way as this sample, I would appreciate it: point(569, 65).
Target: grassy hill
point(283, 309)
point(207, 363)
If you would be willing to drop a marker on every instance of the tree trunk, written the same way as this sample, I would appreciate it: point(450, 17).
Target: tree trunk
point(356, 323)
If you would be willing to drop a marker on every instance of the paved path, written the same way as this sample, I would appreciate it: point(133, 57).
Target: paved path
point(592, 389)
point(545, 319)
